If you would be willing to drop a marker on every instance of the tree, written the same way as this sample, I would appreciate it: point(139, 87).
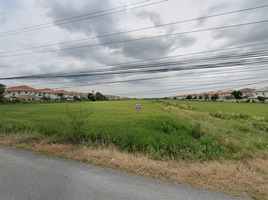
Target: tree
point(200, 96)
point(2, 90)
point(100, 97)
point(206, 96)
point(261, 99)
point(91, 97)
point(77, 98)
point(237, 94)
point(44, 98)
point(195, 97)
point(189, 97)
point(228, 97)
point(214, 97)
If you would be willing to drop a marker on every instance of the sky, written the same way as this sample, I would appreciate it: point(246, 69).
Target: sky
point(132, 48)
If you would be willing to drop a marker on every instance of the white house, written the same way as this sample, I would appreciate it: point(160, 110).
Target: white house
point(22, 92)
point(261, 92)
point(47, 93)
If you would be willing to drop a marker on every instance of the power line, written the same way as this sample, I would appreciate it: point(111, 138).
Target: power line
point(135, 30)
point(140, 39)
point(178, 88)
point(259, 56)
point(55, 23)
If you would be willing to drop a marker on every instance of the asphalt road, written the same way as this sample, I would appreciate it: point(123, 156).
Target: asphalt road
point(25, 175)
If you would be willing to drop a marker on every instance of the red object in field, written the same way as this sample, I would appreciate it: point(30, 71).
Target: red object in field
point(138, 107)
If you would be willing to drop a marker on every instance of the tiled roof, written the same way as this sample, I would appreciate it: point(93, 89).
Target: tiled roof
point(228, 92)
point(62, 92)
point(246, 90)
point(26, 96)
point(210, 93)
point(219, 92)
point(46, 90)
point(249, 95)
point(21, 88)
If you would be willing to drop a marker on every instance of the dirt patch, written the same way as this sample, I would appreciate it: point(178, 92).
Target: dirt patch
point(248, 178)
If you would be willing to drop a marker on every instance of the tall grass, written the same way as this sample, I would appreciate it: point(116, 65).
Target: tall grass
point(161, 130)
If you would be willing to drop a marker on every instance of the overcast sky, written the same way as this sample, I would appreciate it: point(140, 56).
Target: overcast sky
point(131, 47)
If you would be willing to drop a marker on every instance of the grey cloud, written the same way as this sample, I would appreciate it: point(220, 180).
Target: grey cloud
point(212, 10)
point(153, 16)
point(96, 26)
point(111, 24)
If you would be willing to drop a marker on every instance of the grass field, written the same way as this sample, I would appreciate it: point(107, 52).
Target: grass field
point(258, 109)
point(231, 137)
point(164, 129)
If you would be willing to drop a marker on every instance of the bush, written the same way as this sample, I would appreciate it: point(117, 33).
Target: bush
point(76, 123)
point(166, 128)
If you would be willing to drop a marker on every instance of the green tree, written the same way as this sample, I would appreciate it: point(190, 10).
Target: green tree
point(91, 97)
point(228, 97)
point(237, 94)
point(44, 98)
point(100, 97)
point(77, 98)
point(2, 90)
point(206, 96)
point(214, 97)
point(261, 99)
point(200, 96)
point(189, 97)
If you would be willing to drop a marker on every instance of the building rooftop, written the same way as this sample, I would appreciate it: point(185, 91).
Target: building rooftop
point(21, 88)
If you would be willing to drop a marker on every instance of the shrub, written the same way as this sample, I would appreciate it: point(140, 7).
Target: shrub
point(76, 123)
point(166, 128)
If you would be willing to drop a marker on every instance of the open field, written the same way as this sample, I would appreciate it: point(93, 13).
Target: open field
point(192, 142)
point(258, 109)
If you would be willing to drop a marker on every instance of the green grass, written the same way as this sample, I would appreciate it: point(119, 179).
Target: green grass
point(162, 131)
point(258, 109)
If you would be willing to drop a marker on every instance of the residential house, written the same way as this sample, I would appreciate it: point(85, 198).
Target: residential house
point(261, 92)
point(47, 92)
point(22, 92)
point(247, 93)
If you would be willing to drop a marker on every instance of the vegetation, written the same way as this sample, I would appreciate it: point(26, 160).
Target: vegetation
point(261, 99)
point(206, 96)
point(91, 97)
point(237, 94)
point(214, 97)
point(2, 91)
point(183, 132)
point(100, 97)
point(44, 98)
point(189, 97)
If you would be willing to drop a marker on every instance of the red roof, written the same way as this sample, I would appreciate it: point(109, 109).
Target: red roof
point(48, 90)
point(219, 92)
point(26, 96)
point(228, 92)
point(248, 95)
point(246, 90)
point(21, 88)
point(62, 92)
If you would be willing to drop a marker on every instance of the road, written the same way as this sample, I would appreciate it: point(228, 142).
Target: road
point(25, 175)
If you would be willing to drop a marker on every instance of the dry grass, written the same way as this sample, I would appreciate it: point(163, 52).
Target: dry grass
point(248, 177)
